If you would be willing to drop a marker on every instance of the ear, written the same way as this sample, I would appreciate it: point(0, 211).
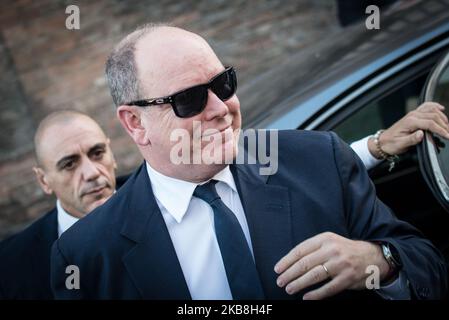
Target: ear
point(42, 179)
point(130, 118)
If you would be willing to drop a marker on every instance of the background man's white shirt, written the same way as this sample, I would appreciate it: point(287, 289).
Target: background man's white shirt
point(65, 220)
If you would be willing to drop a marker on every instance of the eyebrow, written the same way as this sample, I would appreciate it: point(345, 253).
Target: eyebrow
point(73, 157)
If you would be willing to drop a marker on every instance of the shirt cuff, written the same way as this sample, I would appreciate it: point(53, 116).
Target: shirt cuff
point(397, 290)
point(361, 148)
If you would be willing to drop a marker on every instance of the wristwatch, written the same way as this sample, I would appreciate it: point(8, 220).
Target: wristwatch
point(392, 256)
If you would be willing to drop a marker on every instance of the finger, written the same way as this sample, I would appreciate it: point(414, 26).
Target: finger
point(443, 116)
point(301, 250)
point(430, 125)
point(429, 106)
point(434, 108)
point(301, 267)
point(331, 288)
point(436, 116)
point(410, 140)
point(314, 276)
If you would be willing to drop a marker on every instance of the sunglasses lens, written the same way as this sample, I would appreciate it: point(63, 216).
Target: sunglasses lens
point(191, 101)
point(225, 85)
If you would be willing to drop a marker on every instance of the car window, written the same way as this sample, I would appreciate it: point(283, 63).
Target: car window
point(381, 113)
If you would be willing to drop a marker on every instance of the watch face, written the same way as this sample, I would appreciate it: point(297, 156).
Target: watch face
point(395, 255)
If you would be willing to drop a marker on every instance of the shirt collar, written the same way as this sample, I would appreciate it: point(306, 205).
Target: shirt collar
point(65, 220)
point(175, 194)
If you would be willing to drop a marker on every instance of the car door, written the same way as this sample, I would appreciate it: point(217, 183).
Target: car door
point(405, 189)
point(433, 152)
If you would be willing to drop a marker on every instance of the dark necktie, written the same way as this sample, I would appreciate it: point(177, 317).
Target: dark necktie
point(240, 268)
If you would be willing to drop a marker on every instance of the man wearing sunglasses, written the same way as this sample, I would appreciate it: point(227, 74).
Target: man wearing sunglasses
point(202, 230)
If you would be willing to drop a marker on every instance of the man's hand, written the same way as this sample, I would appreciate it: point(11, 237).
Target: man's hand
point(408, 131)
point(325, 256)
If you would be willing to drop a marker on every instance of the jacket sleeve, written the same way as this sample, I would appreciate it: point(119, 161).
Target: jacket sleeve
point(64, 277)
point(371, 220)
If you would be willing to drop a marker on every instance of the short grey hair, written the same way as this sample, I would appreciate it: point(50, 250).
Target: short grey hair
point(121, 67)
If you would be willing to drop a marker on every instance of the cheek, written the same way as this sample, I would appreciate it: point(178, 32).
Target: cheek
point(161, 126)
point(110, 171)
point(234, 108)
point(178, 127)
point(107, 168)
point(67, 189)
point(234, 104)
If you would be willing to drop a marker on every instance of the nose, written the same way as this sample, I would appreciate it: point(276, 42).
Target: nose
point(89, 170)
point(215, 107)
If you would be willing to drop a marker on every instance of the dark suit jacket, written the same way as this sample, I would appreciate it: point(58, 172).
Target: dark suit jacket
point(123, 249)
point(25, 259)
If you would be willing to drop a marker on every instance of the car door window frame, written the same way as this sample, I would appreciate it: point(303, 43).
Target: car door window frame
point(429, 145)
point(388, 85)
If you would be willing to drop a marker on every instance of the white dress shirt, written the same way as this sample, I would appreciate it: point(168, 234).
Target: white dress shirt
point(361, 148)
point(65, 220)
point(190, 223)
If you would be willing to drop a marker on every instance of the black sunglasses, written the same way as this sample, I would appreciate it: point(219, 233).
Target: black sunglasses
point(192, 101)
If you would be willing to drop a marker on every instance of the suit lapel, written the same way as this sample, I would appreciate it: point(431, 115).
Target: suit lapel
point(152, 262)
point(267, 209)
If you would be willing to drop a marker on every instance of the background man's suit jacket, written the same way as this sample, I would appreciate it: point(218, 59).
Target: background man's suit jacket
point(25, 258)
point(123, 249)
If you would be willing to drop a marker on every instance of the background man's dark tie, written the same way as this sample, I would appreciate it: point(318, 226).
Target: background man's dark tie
point(239, 264)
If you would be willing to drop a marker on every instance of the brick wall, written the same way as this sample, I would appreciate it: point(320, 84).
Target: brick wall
point(45, 67)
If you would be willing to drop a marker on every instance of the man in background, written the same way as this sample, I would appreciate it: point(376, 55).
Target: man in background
point(74, 162)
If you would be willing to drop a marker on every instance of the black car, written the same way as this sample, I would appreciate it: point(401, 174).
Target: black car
point(359, 81)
